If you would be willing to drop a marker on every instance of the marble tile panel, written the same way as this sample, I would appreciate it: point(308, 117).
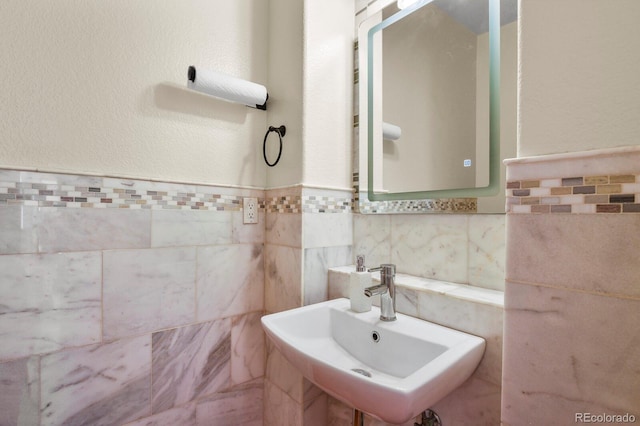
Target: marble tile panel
point(67, 229)
point(190, 362)
point(18, 230)
point(20, 392)
point(317, 262)
point(284, 375)
point(585, 252)
point(289, 191)
point(475, 402)
point(97, 385)
point(180, 416)
point(315, 411)
point(170, 228)
point(487, 251)
point(247, 348)
point(479, 295)
point(372, 238)
point(231, 190)
point(148, 185)
point(239, 406)
point(568, 352)
point(326, 192)
point(310, 392)
point(422, 284)
point(338, 279)
point(616, 161)
point(338, 413)
point(147, 290)
point(478, 319)
point(327, 229)
point(230, 280)
point(407, 301)
point(279, 408)
point(56, 178)
point(247, 233)
point(283, 278)
point(8, 175)
point(283, 229)
point(431, 246)
point(49, 301)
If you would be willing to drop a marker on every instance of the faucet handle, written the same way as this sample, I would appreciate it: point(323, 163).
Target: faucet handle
point(385, 269)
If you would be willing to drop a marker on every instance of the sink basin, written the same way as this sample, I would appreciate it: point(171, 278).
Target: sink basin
point(391, 370)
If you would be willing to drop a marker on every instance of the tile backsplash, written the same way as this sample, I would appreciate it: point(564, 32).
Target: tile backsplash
point(577, 194)
point(460, 248)
point(93, 192)
point(597, 181)
point(139, 302)
point(121, 302)
point(572, 286)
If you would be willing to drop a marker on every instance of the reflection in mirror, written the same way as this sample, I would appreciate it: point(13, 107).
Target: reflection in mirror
point(433, 103)
point(427, 113)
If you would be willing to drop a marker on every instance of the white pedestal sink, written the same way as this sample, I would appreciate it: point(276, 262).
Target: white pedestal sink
point(391, 370)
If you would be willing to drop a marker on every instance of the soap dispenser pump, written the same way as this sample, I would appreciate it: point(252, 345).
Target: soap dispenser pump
point(358, 282)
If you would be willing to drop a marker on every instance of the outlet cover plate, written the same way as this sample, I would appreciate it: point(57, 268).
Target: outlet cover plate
point(249, 210)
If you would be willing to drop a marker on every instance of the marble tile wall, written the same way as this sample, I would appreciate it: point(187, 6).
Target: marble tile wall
point(572, 301)
point(466, 249)
point(142, 314)
point(473, 310)
point(309, 232)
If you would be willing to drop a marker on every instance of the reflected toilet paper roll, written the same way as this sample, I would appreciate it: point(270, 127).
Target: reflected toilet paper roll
point(391, 131)
point(227, 87)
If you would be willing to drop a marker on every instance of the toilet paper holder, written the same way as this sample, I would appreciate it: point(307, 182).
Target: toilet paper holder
point(281, 131)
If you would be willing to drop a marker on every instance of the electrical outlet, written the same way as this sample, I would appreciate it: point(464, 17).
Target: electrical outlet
point(249, 210)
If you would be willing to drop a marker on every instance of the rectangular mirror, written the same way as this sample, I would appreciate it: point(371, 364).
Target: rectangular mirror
point(429, 118)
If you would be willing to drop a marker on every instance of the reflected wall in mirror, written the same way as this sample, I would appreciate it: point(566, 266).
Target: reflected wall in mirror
point(425, 109)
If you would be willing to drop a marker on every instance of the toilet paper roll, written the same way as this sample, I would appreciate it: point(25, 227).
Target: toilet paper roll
point(391, 131)
point(227, 87)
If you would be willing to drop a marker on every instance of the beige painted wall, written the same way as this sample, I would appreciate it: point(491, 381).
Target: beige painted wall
point(285, 82)
point(328, 92)
point(96, 86)
point(579, 85)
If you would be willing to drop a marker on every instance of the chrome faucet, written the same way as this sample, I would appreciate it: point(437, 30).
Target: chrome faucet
point(386, 289)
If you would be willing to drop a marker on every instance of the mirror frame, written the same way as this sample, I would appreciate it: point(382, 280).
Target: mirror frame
point(493, 187)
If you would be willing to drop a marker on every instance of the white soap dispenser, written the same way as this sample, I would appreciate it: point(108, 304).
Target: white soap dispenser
point(358, 282)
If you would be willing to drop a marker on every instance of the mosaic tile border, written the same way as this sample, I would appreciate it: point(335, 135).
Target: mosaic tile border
point(67, 192)
point(579, 194)
point(308, 204)
point(71, 196)
point(441, 205)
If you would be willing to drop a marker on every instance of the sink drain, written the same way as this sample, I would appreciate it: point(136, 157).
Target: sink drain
point(365, 373)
